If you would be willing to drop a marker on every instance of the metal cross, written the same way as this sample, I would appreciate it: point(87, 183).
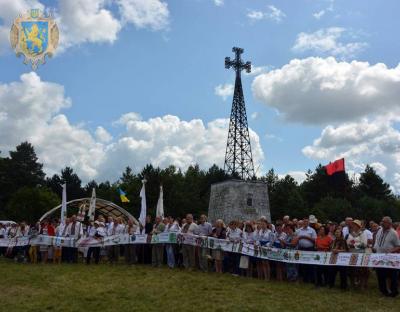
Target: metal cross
point(237, 63)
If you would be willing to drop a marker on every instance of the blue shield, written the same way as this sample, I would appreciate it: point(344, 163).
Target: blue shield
point(34, 37)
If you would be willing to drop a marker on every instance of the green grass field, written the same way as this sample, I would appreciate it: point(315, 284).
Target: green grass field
point(26, 287)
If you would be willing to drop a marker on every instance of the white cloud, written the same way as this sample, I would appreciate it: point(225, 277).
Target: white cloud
point(84, 21)
point(102, 135)
point(257, 70)
point(4, 39)
point(219, 2)
point(168, 140)
point(153, 14)
point(299, 176)
point(374, 141)
point(224, 91)
point(319, 14)
point(271, 136)
point(327, 42)
point(380, 168)
point(255, 115)
point(322, 90)
point(30, 110)
point(255, 15)
point(272, 13)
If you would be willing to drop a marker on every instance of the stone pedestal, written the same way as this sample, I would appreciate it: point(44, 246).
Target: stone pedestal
point(238, 200)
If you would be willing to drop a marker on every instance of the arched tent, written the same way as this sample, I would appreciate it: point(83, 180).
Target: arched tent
point(103, 207)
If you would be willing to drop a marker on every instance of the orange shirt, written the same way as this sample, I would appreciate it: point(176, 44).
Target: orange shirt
point(323, 243)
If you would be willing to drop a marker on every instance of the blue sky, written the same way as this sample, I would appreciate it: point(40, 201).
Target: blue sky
point(170, 60)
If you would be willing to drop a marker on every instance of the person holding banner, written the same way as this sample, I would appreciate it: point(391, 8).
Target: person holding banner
point(157, 252)
point(74, 230)
point(322, 243)
point(172, 226)
point(234, 234)
point(249, 237)
point(218, 232)
point(263, 240)
point(338, 245)
point(130, 249)
point(387, 241)
point(114, 250)
point(357, 241)
point(205, 229)
point(48, 230)
point(306, 236)
point(97, 232)
point(188, 251)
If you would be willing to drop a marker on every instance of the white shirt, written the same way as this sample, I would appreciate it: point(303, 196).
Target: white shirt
point(345, 231)
point(357, 242)
point(91, 231)
point(369, 234)
point(249, 237)
point(78, 230)
point(116, 229)
point(24, 232)
point(309, 232)
point(234, 234)
point(263, 236)
point(192, 229)
point(101, 230)
point(174, 227)
point(3, 232)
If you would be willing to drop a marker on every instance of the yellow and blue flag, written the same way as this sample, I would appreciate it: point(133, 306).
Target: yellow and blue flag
point(123, 197)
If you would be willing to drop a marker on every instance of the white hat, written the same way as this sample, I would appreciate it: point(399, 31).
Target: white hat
point(312, 219)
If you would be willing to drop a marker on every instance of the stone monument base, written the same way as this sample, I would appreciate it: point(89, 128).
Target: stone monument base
point(238, 200)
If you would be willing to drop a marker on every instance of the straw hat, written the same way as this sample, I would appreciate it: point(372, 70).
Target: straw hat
point(358, 223)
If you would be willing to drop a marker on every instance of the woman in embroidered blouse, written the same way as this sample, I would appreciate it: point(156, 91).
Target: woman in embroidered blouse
point(263, 237)
point(338, 245)
point(357, 241)
point(249, 237)
point(219, 232)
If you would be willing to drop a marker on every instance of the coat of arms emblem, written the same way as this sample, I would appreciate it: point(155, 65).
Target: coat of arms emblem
point(34, 35)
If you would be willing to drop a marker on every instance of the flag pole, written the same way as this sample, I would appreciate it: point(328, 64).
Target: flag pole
point(64, 203)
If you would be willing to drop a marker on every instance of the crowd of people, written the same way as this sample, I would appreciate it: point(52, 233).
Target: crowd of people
point(356, 236)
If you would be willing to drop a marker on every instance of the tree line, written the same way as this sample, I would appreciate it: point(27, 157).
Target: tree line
point(26, 193)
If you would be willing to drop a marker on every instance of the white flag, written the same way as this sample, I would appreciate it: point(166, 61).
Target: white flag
point(92, 206)
point(143, 210)
point(64, 203)
point(160, 204)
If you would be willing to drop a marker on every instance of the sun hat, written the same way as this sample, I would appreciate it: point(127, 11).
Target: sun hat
point(312, 219)
point(358, 223)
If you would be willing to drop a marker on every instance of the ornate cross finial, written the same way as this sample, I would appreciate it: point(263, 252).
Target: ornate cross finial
point(237, 63)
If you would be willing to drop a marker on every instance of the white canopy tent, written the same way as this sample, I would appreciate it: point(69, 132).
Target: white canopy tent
point(103, 207)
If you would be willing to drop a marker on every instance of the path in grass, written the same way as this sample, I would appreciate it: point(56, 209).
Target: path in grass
point(25, 287)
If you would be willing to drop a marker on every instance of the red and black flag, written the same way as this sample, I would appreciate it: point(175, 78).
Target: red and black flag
point(335, 167)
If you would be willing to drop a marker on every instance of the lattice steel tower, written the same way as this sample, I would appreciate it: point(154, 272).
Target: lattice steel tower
point(238, 156)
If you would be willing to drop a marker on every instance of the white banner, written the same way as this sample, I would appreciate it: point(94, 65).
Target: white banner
point(373, 260)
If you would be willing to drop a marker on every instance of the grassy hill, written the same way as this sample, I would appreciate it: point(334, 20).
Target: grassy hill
point(26, 287)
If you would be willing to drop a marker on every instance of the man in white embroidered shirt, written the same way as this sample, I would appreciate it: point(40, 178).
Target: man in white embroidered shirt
point(205, 229)
point(74, 230)
point(306, 240)
point(387, 241)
